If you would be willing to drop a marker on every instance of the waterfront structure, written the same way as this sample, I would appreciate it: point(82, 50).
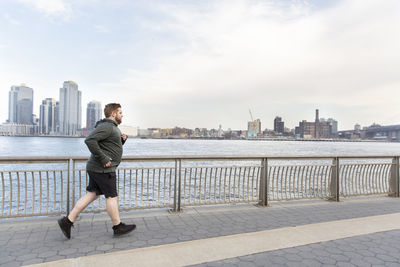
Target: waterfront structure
point(220, 131)
point(253, 128)
point(334, 125)
point(320, 128)
point(279, 125)
point(382, 133)
point(15, 129)
point(129, 130)
point(70, 109)
point(93, 114)
point(47, 118)
point(20, 105)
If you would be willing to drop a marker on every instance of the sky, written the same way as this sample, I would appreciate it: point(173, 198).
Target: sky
point(206, 63)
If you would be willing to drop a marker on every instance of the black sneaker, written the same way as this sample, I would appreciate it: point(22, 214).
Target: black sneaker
point(65, 225)
point(122, 228)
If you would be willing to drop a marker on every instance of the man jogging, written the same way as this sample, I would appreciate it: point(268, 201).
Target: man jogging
point(105, 144)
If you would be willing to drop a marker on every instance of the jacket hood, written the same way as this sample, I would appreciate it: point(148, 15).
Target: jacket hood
point(105, 121)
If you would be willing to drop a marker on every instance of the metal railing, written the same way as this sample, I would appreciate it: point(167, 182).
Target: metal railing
point(52, 185)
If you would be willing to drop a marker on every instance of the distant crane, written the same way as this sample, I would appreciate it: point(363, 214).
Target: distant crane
point(251, 115)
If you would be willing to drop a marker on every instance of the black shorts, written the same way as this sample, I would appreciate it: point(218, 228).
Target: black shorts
point(102, 183)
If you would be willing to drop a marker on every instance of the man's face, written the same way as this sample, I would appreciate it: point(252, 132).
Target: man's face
point(118, 116)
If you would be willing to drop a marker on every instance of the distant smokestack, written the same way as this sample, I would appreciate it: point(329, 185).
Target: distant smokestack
point(316, 115)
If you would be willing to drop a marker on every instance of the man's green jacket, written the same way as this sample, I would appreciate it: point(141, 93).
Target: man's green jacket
point(105, 143)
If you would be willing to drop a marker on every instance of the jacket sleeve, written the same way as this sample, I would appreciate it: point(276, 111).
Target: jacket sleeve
point(92, 142)
point(123, 141)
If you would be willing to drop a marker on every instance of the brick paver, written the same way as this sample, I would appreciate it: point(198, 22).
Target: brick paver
point(39, 239)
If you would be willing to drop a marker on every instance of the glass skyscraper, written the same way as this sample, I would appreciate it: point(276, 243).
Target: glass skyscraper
point(93, 114)
point(70, 109)
point(20, 105)
point(47, 120)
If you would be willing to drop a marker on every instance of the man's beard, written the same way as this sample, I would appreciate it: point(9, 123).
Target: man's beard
point(118, 120)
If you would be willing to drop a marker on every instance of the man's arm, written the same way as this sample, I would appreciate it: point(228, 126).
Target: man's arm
point(123, 138)
point(92, 142)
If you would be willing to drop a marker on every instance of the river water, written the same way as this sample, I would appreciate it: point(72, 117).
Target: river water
point(56, 146)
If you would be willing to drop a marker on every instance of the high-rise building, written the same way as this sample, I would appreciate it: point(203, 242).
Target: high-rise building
point(20, 105)
point(334, 124)
point(93, 114)
point(47, 119)
point(253, 128)
point(279, 125)
point(57, 117)
point(70, 109)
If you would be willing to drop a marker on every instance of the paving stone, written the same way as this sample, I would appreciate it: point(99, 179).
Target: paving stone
point(27, 257)
point(310, 263)
point(5, 259)
point(346, 264)
point(339, 257)
point(373, 260)
point(86, 249)
point(122, 245)
point(66, 252)
point(104, 247)
point(11, 264)
point(359, 262)
point(47, 254)
point(54, 258)
point(32, 261)
point(387, 258)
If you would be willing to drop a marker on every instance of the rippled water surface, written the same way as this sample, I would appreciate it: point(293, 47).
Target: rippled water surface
point(56, 146)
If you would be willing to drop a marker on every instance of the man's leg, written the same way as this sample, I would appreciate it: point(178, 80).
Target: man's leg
point(82, 203)
point(67, 222)
point(119, 228)
point(112, 209)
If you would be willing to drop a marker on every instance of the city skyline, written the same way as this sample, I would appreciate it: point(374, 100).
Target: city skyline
point(201, 64)
point(50, 108)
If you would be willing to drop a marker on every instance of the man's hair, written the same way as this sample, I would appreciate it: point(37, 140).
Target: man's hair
point(110, 108)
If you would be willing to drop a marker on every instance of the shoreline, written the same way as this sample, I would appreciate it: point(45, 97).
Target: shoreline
point(222, 139)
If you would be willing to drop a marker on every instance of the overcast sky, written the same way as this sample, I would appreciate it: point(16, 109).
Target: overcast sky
point(204, 63)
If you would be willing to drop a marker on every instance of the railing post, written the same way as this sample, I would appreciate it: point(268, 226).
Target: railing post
point(177, 186)
point(334, 186)
point(68, 179)
point(263, 192)
point(394, 178)
point(73, 183)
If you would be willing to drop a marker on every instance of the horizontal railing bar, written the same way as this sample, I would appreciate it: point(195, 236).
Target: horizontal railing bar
point(193, 167)
point(304, 165)
point(365, 164)
point(31, 215)
point(213, 157)
point(35, 171)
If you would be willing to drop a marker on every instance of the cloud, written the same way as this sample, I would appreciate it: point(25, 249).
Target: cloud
point(11, 20)
point(232, 55)
point(101, 29)
point(50, 7)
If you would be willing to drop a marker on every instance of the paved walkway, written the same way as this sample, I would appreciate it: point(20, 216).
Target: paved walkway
point(39, 240)
point(379, 249)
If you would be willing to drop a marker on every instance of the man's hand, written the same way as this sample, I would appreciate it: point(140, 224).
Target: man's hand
point(123, 136)
point(108, 164)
